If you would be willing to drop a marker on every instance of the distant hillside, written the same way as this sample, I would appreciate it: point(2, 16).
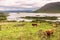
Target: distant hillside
point(50, 8)
point(17, 11)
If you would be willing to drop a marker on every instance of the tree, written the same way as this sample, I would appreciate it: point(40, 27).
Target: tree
point(38, 18)
point(3, 16)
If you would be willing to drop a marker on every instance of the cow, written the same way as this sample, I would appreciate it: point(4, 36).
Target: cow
point(34, 24)
point(55, 24)
point(50, 32)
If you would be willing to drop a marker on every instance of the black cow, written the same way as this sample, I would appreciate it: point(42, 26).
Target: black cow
point(34, 24)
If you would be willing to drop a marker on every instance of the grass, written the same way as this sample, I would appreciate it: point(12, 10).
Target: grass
point(11, 32)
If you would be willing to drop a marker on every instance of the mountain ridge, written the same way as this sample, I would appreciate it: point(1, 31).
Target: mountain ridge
point(50, 8)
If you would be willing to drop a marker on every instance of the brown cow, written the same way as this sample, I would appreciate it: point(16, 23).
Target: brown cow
point(49, 32)
point(34, 24)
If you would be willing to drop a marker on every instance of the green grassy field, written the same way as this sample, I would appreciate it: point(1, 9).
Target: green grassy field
point(27, 32)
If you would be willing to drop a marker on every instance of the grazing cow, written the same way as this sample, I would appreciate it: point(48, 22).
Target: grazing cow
point(54, 25)
point(49, 32)
point(34, 24)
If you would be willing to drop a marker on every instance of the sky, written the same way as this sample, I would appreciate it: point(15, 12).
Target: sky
point(23, 4)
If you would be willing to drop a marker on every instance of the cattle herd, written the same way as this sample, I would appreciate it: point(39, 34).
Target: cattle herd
point(42, 34)
point(50, 31)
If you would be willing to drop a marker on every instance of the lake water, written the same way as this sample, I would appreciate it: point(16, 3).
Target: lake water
point(16, 16)
point(34, 14)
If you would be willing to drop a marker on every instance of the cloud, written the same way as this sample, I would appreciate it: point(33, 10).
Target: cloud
point(15, 4)
point(24, 2)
